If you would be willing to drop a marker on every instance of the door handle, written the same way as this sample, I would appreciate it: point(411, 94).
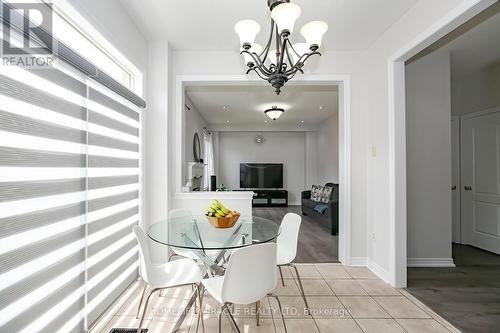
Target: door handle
point(454, 187)
point(468, 188)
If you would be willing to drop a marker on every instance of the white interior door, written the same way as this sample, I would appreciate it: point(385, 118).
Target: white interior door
point(480, 188)
point(455, 179)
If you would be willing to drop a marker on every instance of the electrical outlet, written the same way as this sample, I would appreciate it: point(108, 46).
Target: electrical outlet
point(373, 236)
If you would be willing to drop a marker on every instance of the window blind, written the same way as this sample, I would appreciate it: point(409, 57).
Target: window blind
point(70, 161)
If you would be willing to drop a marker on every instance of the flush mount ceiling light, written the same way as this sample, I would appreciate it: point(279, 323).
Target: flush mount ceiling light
point(274, 112)
point(280, 64)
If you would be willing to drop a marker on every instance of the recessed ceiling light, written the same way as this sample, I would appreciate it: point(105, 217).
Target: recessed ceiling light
point(321, 107)
point(227, 121)
point(265, 121)
point(301, 121)
point(224, 107)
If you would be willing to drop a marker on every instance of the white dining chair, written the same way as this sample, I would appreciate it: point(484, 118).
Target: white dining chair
point(178, 273)
point(287, 247)
point(186, 253)
point(250, 276)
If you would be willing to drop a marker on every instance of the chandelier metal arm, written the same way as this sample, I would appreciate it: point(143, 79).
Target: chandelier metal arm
point(268, 45)
point(302, 60)
point(255, 70)
point(258, 63)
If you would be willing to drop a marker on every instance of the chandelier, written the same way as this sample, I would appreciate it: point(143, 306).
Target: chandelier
point(280, 64)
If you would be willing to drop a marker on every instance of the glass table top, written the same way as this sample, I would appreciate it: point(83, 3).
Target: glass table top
point(197, 233)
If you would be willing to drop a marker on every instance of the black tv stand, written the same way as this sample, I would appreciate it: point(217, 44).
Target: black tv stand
point(270, 198)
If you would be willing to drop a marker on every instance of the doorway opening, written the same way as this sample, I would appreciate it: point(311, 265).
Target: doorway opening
point(453, 174)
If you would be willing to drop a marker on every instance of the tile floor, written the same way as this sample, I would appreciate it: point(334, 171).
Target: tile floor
point(342, 299)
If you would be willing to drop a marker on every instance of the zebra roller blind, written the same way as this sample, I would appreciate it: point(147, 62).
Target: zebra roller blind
point(70, 159)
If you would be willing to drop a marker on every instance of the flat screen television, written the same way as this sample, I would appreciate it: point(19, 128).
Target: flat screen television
point(261, 175)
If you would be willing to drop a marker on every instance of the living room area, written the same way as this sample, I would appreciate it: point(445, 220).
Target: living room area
point(283, 148)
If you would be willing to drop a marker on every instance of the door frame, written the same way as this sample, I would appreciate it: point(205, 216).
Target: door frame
point(344, 84)
point(397, 130)
point(456, 223)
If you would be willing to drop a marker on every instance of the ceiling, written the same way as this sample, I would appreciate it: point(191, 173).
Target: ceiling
point(208, 24)
point(245, 105)
point(473, 46)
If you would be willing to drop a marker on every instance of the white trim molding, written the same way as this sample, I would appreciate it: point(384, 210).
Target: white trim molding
point(430, 262)
point(344, 84)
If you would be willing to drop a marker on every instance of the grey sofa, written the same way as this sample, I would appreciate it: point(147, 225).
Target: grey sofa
point(330, 218)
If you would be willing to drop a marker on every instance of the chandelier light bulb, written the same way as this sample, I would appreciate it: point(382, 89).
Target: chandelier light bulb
point(256, 48)
point(313, 33)
point(247, 30)
point(285, 15)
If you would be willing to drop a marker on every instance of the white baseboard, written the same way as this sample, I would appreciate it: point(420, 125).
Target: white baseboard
point(430, 262)
point(379, 271)
point(359, 261)
point(374, 267)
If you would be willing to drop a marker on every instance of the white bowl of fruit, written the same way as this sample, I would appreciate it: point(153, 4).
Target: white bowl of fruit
point(221, 217)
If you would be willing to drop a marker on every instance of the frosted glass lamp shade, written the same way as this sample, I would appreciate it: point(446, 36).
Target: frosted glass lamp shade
point(301, 49)
point(313, 33)
point(247, 30)
point(274, 113)
point(256, 48)
point(285, 15)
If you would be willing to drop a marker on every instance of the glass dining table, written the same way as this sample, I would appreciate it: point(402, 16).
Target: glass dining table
point(211, 245)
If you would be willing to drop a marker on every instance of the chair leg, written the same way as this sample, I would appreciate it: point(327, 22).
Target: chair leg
point(140, 302)
point(220, 317)
point(281, 309)
point(145, 308)
point(281, 274)
point(233, 322)
point(257, 312)
point(200, 312)
point(301, 287)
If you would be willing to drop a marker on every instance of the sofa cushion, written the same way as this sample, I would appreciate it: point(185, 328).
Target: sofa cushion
point(317, 191)
point(326, 194)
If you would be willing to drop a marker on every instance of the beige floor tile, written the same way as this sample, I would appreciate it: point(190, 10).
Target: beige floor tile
point(363, 307)
point(316, 287)
point(305, 325)
point(378, 288)
point(124, 322)
point(422, 326)
point(338, 325)
point(287, 274)
point(289, 289)
point(249, 325)
point(380, 326)
point(346, 287)
point(360, 272)
point(400, 307)
point(332, 271)
point(306, 271)
point(328, 307)
point(211, 325)
point(293, 307)
point(250, 310)
point(166, 324)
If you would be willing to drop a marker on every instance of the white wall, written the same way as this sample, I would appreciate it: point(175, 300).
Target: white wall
point(328, 151)
point(480, 91)
point(279, 147)
point(193, 123)
point(311, 159)
point(428, 142)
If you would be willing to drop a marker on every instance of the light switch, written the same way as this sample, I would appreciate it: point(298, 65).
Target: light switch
point(374, 151)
